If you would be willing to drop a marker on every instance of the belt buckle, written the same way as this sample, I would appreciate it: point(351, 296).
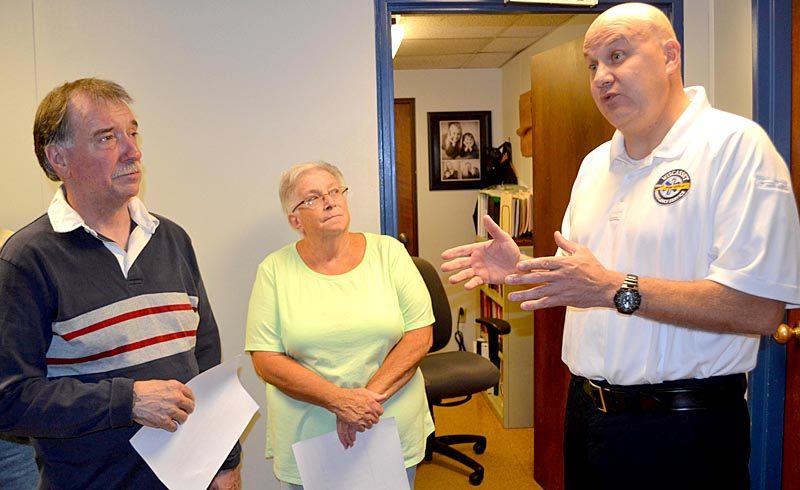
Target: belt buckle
point(597, 393)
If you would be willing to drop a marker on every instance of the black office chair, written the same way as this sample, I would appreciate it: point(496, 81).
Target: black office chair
point(456, 374)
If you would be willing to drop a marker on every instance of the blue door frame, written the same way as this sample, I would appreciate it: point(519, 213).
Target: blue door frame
point(772, 95)
point(771, 109)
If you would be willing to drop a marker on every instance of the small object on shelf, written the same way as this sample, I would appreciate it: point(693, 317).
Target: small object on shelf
point(510, 206)
point(512, 398)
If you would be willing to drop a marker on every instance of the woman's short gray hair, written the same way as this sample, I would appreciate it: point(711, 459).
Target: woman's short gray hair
point(290, 177)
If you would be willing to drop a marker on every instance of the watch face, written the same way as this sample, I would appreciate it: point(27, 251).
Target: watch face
point(627, 300)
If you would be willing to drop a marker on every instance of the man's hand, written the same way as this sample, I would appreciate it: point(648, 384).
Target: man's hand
point(486, 262)
point(358, 406)
point(162, 404)
point(227, 480)
point(577, 279)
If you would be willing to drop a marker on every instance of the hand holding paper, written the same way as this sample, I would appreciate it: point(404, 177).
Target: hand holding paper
point(162, 404)
point(374, 461)
point(190, 457)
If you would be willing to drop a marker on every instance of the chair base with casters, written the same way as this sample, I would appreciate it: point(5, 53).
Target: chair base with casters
point(456, 374)
point(441, 445)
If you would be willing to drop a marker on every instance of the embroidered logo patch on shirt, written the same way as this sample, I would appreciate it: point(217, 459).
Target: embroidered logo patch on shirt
point(672, 186)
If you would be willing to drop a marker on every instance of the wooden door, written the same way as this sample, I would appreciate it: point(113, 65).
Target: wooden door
point(791, 421)
point(406, 174)
point(566, 127)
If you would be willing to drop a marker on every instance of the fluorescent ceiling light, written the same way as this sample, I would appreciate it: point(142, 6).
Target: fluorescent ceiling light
point(397, 34)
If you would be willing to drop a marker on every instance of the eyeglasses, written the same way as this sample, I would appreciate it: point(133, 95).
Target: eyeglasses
point(335, 195)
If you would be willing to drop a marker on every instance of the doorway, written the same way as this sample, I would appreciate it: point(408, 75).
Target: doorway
point(772, 35)
point(406, 174)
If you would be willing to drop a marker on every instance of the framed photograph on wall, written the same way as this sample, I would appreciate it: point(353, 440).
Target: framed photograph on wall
point(456, 142)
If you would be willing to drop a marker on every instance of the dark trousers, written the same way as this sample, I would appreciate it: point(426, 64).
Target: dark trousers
point(697, 449)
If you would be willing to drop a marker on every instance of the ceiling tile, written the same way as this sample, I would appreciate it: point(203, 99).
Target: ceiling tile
point(526, 31)
point(488, 60)
point(431, 62)
point(549, 20)
point(455, 25)
point(417, 47)
point(469, 40)
point(508, 44)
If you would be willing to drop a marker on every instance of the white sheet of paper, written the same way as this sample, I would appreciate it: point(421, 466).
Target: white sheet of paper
point(188, 458)
point(374, 462)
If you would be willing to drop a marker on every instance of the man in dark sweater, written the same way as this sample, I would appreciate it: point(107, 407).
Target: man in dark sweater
point(104, 315)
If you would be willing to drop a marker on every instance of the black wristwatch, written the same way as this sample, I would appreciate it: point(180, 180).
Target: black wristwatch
point(628, 299)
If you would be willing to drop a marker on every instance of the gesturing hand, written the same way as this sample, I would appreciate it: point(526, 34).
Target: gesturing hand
point(162, 404)
point(577, 279)
point(486, 262)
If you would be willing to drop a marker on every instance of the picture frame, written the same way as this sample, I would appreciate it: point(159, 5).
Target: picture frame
point(456, 145)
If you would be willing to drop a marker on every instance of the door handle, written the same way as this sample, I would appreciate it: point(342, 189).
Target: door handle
point(403, 238)
point(785, 333)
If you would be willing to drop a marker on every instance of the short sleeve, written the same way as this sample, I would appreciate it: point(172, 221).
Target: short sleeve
point(412, 294)
point(756, 242)
point(263, 329)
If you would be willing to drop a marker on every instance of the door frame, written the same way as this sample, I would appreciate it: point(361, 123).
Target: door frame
point(771, 90)
point(385, 78)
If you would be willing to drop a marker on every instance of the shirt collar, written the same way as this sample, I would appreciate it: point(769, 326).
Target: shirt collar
point(675, 141)
point(63, 218)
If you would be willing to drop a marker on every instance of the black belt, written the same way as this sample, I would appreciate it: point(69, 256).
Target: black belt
point(681, 395)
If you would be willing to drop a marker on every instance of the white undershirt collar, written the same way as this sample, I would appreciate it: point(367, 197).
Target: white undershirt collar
point(65, 219)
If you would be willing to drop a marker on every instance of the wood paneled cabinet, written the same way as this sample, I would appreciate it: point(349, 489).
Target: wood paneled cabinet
point(566, 127)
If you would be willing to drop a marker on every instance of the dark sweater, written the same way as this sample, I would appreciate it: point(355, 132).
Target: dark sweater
point(75, 334)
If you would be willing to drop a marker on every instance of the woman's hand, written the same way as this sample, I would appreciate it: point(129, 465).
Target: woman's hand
point(346, 433)
point(358, 406)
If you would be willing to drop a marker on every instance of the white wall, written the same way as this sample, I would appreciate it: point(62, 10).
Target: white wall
point(445, 217)
point(718, 52)
point(223, 109)
point(733, 55)
point(23, 189)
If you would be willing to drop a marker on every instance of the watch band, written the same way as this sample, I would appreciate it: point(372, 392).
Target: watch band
point(631, 281)
point(627, 299)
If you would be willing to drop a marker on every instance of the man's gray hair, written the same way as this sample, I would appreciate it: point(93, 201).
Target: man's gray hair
point(51, 124)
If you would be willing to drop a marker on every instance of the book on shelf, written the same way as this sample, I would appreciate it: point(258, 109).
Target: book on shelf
point(510, 206)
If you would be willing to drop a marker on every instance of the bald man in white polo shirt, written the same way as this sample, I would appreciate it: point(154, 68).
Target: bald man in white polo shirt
point(678, 250)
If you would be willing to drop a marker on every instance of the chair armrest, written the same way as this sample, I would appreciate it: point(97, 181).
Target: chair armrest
point(495, 325)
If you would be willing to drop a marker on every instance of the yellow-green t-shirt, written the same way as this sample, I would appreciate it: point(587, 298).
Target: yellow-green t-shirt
point(341, 327)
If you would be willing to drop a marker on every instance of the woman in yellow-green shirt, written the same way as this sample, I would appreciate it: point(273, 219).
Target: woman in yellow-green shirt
point(337, 325)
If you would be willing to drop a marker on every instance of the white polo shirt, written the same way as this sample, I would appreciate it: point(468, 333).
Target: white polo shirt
point(712, 201)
